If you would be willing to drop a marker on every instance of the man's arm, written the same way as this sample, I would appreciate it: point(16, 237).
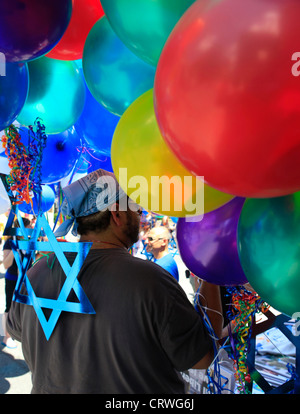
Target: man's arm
point(8, 258)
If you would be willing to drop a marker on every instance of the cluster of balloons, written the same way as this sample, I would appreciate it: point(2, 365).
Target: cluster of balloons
point(197, 91)
point(40, 46)
point(226, 100)
point(227, 105)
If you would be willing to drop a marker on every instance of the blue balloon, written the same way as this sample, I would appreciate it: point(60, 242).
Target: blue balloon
point(14, 85)
point(96, 125)
point(59, 156)
point(48, 198)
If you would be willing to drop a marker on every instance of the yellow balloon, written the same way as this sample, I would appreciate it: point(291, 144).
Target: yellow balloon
point(150, 173)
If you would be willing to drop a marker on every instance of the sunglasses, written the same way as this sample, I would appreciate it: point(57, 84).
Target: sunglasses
point(152, 239)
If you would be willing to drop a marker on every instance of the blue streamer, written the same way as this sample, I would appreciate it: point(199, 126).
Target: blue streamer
point(215, 385)
point(71, 283)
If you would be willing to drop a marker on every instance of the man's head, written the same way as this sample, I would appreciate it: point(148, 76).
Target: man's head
point(97, 206)
point(119, 223)
point(158, 240)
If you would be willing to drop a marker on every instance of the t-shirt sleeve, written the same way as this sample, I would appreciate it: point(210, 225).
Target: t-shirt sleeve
point(184, 338)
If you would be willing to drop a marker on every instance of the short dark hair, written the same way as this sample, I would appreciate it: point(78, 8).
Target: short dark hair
point(25, 220)
point(95, 222)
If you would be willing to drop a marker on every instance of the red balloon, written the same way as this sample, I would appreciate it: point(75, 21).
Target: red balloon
point(226, 99)
point(85, 14)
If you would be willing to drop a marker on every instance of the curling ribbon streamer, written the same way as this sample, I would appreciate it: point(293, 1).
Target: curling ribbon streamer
point(244, 306)
point(24, 162)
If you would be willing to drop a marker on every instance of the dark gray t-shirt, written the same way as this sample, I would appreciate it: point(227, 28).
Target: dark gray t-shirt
point(144, 331)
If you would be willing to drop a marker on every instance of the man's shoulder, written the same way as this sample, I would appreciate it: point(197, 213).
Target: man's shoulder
point(167, 260)
point(147, 268)
point(145, 265)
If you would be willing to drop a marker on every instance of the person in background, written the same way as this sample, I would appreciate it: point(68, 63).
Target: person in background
point(158, 244)
point(11, 277)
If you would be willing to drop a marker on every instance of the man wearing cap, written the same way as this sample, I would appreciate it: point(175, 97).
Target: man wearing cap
point(144, 330)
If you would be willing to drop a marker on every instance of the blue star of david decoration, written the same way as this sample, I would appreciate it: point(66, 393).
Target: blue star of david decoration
point(30, 245)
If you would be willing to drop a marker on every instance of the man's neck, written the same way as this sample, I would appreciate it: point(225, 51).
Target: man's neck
point(160, 254)
point(101, 241)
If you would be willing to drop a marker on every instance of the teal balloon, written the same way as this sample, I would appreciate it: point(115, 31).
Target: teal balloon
point(145, 25)
point(114, 75)
point(269, 250)
point(56, 95)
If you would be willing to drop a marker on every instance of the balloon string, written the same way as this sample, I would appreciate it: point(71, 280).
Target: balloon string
point(95, 158)
point(216, 383)
point(84, 150)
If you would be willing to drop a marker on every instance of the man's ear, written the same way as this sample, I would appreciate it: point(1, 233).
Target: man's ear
point(166, 242)
point(115, 214)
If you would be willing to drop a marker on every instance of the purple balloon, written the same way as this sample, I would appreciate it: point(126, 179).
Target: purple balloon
point(209, 247)
point(31, 28)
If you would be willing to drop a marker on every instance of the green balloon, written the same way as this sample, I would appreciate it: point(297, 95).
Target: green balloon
point(145, 25)
point(269, 250)
point(56, 94)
